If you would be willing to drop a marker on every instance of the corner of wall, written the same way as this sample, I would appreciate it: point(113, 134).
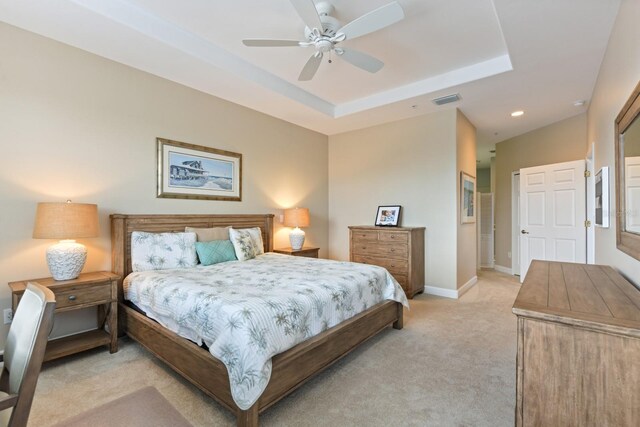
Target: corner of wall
point(466, 234)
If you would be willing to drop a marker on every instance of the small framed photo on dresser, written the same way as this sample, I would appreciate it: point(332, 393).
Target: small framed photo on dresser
point(388, 216)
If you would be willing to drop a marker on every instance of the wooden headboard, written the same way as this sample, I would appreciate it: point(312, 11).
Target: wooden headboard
point(123, 225)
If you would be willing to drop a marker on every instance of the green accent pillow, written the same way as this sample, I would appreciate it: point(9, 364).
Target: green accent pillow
point(215, 251)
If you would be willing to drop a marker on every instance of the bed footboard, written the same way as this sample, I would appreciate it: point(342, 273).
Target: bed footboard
point(290, 369)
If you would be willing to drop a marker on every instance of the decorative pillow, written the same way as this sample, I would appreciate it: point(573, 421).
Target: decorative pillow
point(215, 251)
point(162, 251)
point(209, 234)
point(247, 242)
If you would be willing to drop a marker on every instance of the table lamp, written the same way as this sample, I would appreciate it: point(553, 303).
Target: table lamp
point(66, 221)
point(296, 217)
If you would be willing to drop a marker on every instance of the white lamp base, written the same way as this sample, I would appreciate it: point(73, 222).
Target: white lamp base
point(296, 237)
point(66, 259)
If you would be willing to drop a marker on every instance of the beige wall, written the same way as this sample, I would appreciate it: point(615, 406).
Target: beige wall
point(493, 175)
point(483, 179)
point(78, 126)
point(619, 75)
point(632, 140)
point(409, 162)
point(559, 142)
point(467, 233)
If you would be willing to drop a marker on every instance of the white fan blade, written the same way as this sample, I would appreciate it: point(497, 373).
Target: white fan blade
point(361, 60)
point(310, 67)
point(373, 21)
point(270, 43)
point(308, 12)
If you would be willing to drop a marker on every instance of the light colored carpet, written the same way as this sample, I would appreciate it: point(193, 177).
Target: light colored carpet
point(145, 408)
point(453, 364)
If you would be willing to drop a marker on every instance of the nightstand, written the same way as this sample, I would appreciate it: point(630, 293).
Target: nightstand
point(99, 289)
point(305, 252)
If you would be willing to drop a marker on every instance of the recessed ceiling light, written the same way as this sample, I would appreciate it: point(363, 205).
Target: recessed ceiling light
point(579, 103)
point(517, 113)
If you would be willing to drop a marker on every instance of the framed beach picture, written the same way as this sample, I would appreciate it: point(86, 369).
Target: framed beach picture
point(388, 216)
point(467, 198)
point(188, 171)
point(602, 198)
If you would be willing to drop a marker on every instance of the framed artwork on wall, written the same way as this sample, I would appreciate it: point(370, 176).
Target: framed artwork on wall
point(467, 198)
point(602, 197)
point(388, 216)
point(188, 171)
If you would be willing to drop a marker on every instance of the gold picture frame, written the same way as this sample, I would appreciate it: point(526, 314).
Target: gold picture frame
point(189, 171)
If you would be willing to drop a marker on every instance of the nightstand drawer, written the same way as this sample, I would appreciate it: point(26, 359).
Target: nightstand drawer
point(306, 252)
point(80, 295)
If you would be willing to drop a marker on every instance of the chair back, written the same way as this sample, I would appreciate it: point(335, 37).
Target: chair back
point(25, 347)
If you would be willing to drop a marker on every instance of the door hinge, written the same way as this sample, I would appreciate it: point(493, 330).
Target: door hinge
point(587, 174)
point(587, 224)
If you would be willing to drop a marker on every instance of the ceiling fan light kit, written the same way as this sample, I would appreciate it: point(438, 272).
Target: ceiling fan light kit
point(324, 32)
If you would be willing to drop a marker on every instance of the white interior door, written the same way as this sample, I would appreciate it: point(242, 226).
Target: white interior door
point(485, 215)
point(552, 214)
point(515, 224)
point(632, 193)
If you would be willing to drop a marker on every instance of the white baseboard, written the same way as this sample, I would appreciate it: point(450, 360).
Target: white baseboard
point(501, 269)
point(451, 293)
point(464, 288)
point(441, 292)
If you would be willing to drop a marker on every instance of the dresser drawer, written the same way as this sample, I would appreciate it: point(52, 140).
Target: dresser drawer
point(393, 250)
point(402, 280)
point(398, 266)
point(83, 294)
point(364, 236)
point(393, 236)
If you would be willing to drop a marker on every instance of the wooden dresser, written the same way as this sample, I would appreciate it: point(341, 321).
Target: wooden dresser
point(399, 249)
point(578, 360)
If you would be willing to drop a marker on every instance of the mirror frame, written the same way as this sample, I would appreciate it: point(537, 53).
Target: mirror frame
point(628, 243)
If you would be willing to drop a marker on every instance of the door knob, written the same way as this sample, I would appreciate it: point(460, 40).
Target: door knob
point(524, 232)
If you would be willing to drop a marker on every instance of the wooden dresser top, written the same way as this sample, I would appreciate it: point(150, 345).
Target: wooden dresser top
point(579, 294)
point(374, 227)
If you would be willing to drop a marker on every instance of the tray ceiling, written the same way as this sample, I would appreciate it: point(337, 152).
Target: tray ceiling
point(500, 55)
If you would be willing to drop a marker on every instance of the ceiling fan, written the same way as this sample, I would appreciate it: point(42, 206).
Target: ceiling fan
point(324, 32)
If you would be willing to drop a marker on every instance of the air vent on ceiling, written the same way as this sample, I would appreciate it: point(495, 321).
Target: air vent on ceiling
point(447, 99)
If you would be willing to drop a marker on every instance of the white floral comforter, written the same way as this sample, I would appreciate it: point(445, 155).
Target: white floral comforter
point(247, 312)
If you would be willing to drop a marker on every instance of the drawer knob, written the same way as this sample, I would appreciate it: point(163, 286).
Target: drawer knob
point(393, 250)
point(72, 297)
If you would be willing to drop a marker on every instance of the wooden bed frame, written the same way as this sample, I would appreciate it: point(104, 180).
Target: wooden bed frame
point(290, 369)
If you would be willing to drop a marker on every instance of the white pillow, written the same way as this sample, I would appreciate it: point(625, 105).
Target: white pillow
point(247, 242)
point(162, 251)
